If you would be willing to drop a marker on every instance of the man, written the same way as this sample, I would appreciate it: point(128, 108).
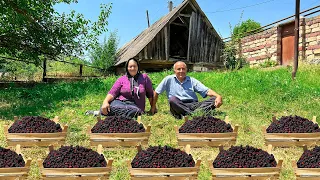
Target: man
point(181, 92)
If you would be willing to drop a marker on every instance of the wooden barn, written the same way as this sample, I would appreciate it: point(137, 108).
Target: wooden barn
point(184, 34)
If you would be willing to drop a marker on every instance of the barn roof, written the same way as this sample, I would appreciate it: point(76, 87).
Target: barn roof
point(133, 47)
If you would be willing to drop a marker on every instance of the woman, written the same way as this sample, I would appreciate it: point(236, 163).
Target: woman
point(127, 96)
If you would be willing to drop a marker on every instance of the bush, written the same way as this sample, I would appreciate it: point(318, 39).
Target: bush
point(103, 55)
point(231, 58)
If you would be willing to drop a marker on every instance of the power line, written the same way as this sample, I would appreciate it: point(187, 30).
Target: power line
point(227, 5)
point(241, 7)
point(313, 2)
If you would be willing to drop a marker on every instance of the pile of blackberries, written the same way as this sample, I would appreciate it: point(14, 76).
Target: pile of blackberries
point(34, 124)
point(74, 157)
point(116, 124)
point(162, 157)
point(244, 157)
point(293, 124)
point(10, 158)
point(310, 158)
point(205, 124)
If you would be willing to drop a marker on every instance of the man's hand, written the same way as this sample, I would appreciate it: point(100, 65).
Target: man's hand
point(218, 101)
point(105, 108)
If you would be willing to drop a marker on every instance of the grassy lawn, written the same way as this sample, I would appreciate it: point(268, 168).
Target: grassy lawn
point(251, 98)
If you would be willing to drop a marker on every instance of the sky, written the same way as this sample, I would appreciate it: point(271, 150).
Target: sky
point(128, 17)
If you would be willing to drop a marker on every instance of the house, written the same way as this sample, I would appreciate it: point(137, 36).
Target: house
point(184, 34)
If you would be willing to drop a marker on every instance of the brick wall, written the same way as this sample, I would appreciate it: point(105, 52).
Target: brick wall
point(266, 45)
point(312, 39)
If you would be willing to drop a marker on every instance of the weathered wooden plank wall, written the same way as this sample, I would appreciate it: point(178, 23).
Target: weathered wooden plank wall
point(204, 46)
point(156, 49)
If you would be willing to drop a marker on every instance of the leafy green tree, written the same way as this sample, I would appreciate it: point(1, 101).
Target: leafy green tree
point(241, 30)
point(33, 29)
point(103, 55)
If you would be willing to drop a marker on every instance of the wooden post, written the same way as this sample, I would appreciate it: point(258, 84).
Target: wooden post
point(88, 129)
point(188, 149)
point(314, 119)
point(51, 148)
point(226, 119)
point(189, 38)
point(44, 74)
point(269, 150)
point(139, 147)
point(81, 66)
point(167, 40)
point(279, 46)
point(65, 128)
point(148, 18)
point(100, 149)
point(18, 149)
point(139, 119)
point(296, 40)
point(303, 38)
point(56, 119)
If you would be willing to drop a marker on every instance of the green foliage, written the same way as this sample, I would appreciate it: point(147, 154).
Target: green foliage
point(103, 55)
point(268, 63)
point(240, 30)
point(231, 52)
point(30, 29)
point(15, 70)
point(230, 55)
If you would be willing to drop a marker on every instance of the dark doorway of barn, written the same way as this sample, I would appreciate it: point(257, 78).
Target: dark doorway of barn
point(287, 43)
point(179, 34)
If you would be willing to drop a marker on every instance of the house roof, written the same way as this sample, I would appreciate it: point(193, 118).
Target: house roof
point(133, 47)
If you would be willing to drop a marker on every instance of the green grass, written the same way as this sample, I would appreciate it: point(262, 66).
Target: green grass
point(251, 97)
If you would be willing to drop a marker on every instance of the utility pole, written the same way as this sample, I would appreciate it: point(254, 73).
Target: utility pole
point(296, 40)
point(148, 18)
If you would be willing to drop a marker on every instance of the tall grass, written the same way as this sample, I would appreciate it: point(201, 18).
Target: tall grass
point(251, 97)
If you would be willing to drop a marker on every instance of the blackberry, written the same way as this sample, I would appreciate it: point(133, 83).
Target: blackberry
point(74, 157)
point(10, 158)
point(34, 124)
point(162, 157)
point(205, 124)
point(293, 124)
point(244, 157)
point(114, 124)
point(310, 158)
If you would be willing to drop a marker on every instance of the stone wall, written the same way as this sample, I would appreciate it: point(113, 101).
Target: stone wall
point(312, 39)
point(266, 45)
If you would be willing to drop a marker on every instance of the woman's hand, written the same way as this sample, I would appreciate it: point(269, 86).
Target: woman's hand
point(105, 108)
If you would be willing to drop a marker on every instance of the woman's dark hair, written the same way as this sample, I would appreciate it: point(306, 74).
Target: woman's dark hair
point(127, 64)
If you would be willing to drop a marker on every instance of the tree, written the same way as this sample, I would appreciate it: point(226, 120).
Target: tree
point(103, 55)
point(240, 30)
point(33, 29)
